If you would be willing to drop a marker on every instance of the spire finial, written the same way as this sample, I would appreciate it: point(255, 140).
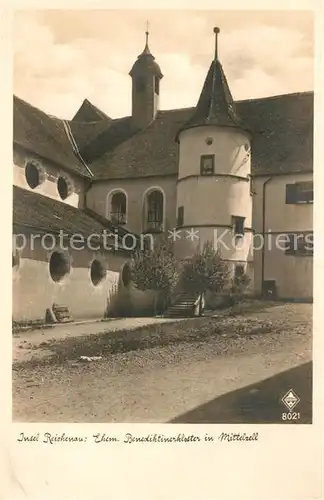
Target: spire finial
point(147, 31)
point(216, 31)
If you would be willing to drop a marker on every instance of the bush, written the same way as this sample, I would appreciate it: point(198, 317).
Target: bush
point(205, 271)
point(157, 270)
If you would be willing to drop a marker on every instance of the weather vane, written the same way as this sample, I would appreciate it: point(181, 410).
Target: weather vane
point(147, 30)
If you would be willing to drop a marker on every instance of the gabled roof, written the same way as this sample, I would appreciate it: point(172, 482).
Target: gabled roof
point(215, 105)
point(33, 211)
point(44, 135)
point(89, 113)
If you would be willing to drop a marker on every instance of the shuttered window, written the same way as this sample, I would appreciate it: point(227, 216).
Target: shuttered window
point(300, 244)
point(300, 192)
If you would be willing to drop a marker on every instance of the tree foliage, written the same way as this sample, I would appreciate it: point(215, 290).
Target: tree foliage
point(155, 269)
point(205, 271)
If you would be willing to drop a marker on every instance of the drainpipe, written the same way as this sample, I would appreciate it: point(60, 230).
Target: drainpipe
point(263, 228)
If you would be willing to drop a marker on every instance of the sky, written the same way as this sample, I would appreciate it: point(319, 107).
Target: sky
point(62, 57)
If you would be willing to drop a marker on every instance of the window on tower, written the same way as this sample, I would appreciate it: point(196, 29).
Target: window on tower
point(207, 165)
point(238, 225)
point(156, 85)
point(180, 220)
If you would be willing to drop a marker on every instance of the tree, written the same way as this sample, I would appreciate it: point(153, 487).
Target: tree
point(156, 269)
point(205, 271)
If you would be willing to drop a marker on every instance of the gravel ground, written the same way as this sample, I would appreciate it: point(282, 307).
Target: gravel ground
point(158, 372)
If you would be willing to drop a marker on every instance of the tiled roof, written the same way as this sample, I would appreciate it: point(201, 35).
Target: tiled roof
point(89, 113)
point(44, 135)
point(149, 152)
point(85, 132)
point(282, 140)
point(281, 128)
point(115, 134)
point(215, 105)
point(38, 212)
point(282, 132)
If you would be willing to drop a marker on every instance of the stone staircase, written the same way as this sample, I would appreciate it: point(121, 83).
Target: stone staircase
point(183, 307)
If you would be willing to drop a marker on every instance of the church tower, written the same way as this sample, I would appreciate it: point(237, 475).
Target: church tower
point(146, 76)
point(214, 199)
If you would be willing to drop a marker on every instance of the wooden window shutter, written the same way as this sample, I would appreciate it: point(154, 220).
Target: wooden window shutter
point(290, 193)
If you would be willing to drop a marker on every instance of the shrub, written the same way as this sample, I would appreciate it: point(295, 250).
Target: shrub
point(205, 271)
point(156, 269)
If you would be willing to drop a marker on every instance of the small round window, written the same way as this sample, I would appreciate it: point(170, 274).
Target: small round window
point(59, 266)
point(63, 188)
point(126, 274)
point(97, 272)
point(32, 175)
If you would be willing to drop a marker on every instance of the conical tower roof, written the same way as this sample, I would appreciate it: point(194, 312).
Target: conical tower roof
point(215, 105)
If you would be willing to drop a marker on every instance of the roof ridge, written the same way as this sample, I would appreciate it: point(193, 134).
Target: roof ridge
point(276, 96)
point(184, 108)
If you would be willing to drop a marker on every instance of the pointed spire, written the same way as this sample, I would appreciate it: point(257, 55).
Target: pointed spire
point(146, 61)
point(215, 105)
point(146, 50)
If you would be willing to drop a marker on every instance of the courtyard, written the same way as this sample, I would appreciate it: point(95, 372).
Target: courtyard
point(231, 367)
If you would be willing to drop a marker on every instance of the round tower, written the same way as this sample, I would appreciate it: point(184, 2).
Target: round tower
point(214, 201)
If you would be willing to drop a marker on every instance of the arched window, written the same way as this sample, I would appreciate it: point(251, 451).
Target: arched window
point(97, 272)
point(118, 208)
point(154, 211)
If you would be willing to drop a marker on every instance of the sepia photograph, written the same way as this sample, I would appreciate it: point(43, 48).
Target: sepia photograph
point(162, 238)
